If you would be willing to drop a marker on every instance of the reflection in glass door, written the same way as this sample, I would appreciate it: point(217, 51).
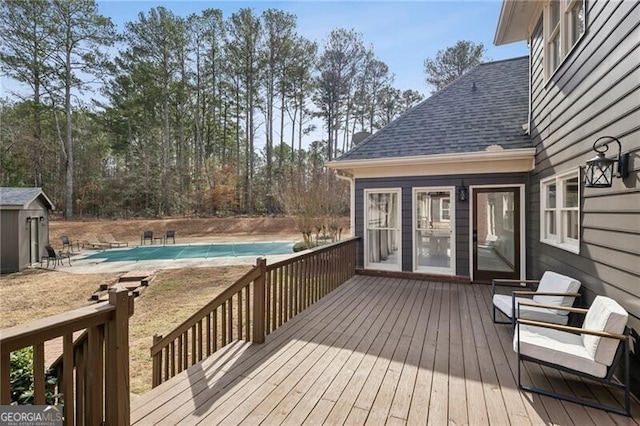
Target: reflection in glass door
point(382, 221)
point(496, 233)
point(433, 228)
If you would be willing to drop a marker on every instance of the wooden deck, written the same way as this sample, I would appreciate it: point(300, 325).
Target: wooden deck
point(376, 351)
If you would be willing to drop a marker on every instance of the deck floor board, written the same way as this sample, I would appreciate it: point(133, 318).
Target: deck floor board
point(375, 351)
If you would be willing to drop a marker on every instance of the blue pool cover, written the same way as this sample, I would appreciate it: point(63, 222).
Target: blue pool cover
point(193, 251)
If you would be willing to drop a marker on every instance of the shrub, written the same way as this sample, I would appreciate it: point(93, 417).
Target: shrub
point(21, 378)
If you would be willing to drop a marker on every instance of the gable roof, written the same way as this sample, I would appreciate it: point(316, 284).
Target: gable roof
point(22, 197)
point(459, 118)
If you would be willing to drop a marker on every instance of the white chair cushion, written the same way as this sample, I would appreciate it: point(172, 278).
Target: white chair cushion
point(605, 314)
point(503, 303)
point(557, 347)
point(554, 282)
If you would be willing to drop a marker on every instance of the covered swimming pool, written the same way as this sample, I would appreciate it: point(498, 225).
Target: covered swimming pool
point(194, 251)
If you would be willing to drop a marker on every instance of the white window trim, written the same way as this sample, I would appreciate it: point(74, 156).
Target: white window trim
point(374, 265)
point(560, 239)
point(565, 28)
point(414, 227)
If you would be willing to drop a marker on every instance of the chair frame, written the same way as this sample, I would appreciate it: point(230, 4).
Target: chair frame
point(146, 235)
point(514, 294)
point(58, 257)
point(170, 234)
point(608, 379)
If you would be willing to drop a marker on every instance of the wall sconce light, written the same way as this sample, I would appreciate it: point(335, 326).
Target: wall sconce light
point(599, 170)
point(29, 219)
point(463, 192)
point(42, 220)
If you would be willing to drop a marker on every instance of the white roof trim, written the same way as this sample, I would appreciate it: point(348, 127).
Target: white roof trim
point(465, 157)
point(514, 21)
point(507, 161)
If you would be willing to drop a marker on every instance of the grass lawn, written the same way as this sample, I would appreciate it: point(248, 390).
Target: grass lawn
point(173, 296)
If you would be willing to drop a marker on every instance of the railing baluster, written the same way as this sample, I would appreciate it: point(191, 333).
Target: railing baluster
point(185, 354)
point(247, 312)
point(208, 331)
point(194, 343)
point(224, 324)
point(239, 315)
point(215, 329)
point(67, 378)
point(230, 319)
point(200, 357)
point(38, 374)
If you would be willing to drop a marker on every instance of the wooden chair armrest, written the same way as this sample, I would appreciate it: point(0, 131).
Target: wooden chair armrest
point(502, 282)
point(544, 293)
point(569, 329)
point(556, 307)
point(513, 283)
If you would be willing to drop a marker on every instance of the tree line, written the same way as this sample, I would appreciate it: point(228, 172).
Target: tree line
point(196, 115)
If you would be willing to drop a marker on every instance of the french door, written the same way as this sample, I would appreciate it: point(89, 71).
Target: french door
point(496, 233)
point(433, 230)
point(382, 229)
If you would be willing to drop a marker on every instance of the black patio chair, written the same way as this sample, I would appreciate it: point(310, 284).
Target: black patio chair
point(54, 257)
point(170, 234)
point(67, 245)
point(147, 235)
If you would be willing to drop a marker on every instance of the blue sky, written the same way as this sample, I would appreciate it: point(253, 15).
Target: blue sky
point(403, 33)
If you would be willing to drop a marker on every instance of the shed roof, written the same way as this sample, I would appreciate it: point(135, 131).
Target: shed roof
point(486, 106)
point(22, 197)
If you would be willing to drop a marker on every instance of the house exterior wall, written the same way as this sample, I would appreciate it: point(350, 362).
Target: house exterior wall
point(407, 183)
point(10, 230)
point(594, 92)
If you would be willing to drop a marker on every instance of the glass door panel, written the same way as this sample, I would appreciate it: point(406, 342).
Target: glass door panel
point(433, 227)
point(382, 223)
point(496, 234)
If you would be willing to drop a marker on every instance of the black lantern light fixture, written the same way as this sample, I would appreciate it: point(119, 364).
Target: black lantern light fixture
point(463, 192)
point(599, 171)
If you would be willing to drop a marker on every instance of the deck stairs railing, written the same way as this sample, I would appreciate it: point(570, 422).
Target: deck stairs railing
point(92, 375)
point(262, 300)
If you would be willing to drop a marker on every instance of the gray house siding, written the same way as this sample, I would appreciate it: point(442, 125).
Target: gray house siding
point(407, 184)
point(595, 92)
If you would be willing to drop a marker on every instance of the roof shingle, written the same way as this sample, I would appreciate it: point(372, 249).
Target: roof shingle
point(486, 106)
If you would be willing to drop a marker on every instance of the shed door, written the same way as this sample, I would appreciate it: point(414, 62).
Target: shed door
point(34, 241)
point(496, 233)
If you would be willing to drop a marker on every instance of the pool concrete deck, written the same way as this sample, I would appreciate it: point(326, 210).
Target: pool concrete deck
point(81, 265)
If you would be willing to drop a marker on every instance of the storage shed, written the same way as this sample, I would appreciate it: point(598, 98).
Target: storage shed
point(24, 227)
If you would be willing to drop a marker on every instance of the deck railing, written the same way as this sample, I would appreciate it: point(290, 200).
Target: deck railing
point(93, 377)
point(262, 300)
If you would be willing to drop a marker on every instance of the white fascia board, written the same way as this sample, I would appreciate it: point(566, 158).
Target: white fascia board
point(507, 161)
point(514, 21)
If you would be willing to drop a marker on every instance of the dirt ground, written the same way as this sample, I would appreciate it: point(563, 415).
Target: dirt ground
point(173, 295)
point(187, 230)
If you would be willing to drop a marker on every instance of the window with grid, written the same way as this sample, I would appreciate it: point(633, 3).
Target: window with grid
point(560, 211)
point(564, 25)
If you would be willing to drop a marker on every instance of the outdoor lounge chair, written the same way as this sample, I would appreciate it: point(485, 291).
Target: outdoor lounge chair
point(553, 289)
point(593, 351)
point(108, 239)
point(146, 235)
point(170, 235)
point(92, 241)
point(54, 257)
